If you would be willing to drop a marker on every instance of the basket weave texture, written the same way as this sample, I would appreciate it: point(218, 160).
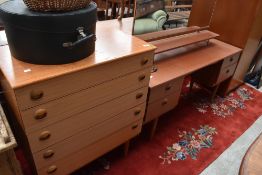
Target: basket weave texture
point(56, 5)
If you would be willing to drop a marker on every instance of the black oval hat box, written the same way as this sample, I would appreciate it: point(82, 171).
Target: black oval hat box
point(49, 38)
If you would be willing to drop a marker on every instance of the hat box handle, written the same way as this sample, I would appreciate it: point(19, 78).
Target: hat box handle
point(82, 38)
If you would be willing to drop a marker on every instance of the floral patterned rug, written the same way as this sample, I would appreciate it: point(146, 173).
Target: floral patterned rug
point(191, 136)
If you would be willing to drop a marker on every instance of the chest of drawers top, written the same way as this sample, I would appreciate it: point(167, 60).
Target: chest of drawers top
point(111, 45)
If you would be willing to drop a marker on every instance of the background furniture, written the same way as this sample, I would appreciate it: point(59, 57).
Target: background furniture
point(251, 161)
point(8, 163)
point(150, 23)
point(78, 112)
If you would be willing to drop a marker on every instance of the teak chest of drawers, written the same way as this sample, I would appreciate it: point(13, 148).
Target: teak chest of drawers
point(77, 112)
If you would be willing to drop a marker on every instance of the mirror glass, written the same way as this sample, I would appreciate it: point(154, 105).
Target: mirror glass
point(156, 15)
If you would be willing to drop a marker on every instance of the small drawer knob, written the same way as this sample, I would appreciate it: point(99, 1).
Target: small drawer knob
point(231, 59)
point(48, 154)
point(168, 87)
point(139, 95)
point(44, 135)
point(137, 112)
point(164, 102)
point(227, 71)
point(141, 77)
point(144, 61)
point(134, 126)
point(36, 94)
point(40, 114)
point(51, 169)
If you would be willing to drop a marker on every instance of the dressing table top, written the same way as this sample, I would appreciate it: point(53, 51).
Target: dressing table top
point(183, 61)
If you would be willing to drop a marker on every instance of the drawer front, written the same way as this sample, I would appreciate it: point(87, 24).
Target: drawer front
point(85, 120)
point(91, 152)
point(230, 60)
point(45, 91)
point(85, 138)
point(165, 89)
point(226, 73)
point(161, 106)
point(75, 103)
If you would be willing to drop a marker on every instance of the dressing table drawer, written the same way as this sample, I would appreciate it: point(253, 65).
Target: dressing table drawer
point(89, 153)
point(67, 106)
point(44, 91)
point(230, 60)
point(86, 138)
point(165, 89)
point(226, 73)
point(161, 106)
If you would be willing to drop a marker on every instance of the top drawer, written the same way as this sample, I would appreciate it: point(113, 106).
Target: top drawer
point(230, 60)
point(45, 91)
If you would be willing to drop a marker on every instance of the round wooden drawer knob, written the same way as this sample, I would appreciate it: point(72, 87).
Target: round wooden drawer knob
point(144, 61)
point(51, 169)
point(135, 126)
point(164, 102)
point(227, 71)
point(139, 95)
point(48, 154)
point(168, 87)
point(231, 59)
point(40, 114)
point(36, 94)
point(137, 111)
point(44, 135)
point(141, 77)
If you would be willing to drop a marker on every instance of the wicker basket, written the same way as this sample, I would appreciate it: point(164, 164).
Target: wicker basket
point(56, 5)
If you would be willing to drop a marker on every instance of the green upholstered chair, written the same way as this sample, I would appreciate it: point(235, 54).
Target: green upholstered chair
point(150, 23)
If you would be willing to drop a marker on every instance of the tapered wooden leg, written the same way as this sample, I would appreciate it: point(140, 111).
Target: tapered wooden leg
point(153, 128)
point(214, 93)
point(126, 147)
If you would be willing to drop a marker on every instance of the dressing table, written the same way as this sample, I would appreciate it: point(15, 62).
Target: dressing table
point(77, 112)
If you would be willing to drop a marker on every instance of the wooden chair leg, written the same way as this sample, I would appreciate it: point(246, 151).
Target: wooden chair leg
point(153, 128)
point(126, 147)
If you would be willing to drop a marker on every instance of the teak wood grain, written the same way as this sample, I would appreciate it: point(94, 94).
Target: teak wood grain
point(91, 152)
point(86, 137)
point(201, 12)
point(184, 61)
point(165, 89)
point(171, 43)
point(74, 82)
point(167, 33)
point(161, 106)
point(86, 120)
point(233, 20)
point(84, 100)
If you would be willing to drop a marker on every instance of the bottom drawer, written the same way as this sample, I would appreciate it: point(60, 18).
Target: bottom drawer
point(161, 106)
point(82, 157)
point(226, 72)
point(87, 137)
